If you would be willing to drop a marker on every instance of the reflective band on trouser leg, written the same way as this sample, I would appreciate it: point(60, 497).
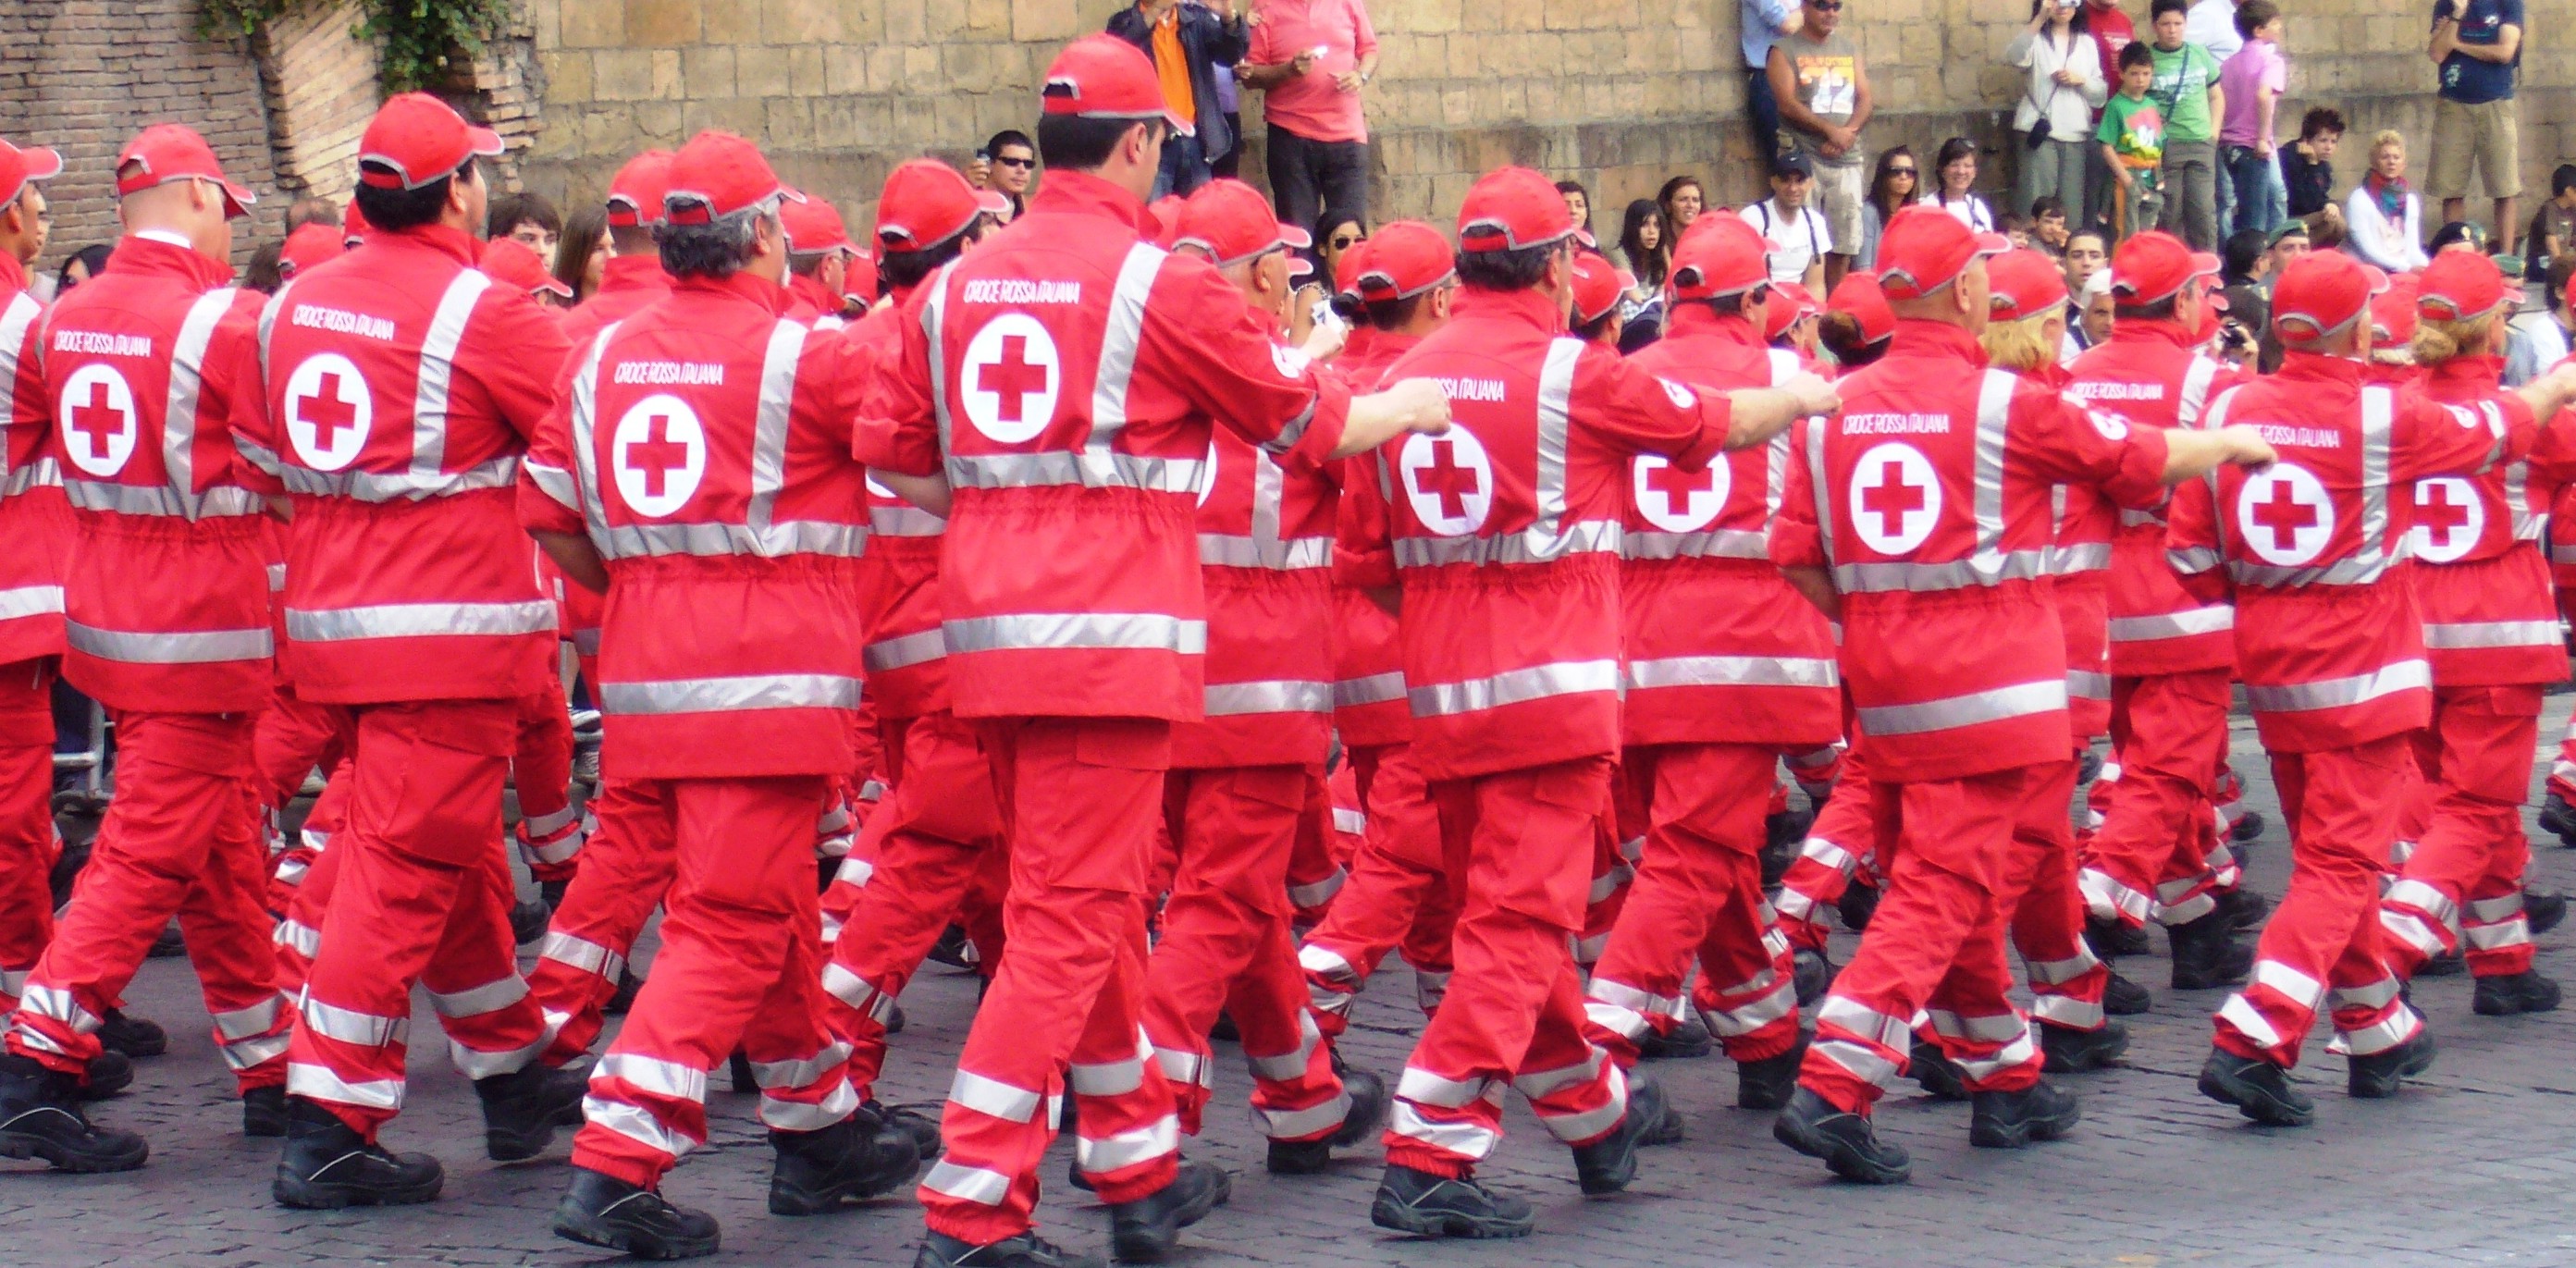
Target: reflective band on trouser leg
point(2496, 932)
point(2420, 923)
point(493, 1025)
point(640, 1115)
point(2369, 1016)
point(228, 935)
point(626, 868)
point(2066, 980)
point(2159, 806)
point(1843, 831)
point(26, 829)
point(1295, 1093)
point(1396, 875)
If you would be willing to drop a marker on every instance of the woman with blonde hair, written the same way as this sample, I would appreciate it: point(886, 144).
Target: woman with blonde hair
point(2384, 219)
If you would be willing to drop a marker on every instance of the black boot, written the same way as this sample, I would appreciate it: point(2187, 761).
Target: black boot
point(40, 1117)
point(522, 1109)
point(264, 1111)
point(2124, 998)
point(327, 1165)
point(953, 949)
point(2072, 1051)
point(2205, 957)
point(2542, 910)
point(1850, 1148)
point(1767, 1083)
point(1028, 1250)
point(108, 1074)
point(1367, 1113)
point(1812, 975)
point(2248, 826)
point(1148, 1230)
point(1936, 1073)
point(528, 920)
point(2257, 1088)
point(2559, 819)
point(551, 893)
point(2244, 908)
point(1607, 1165)
point(2379, 1075)
point(628, 983)
point(2451, 963)
point(852, 1160)
point(2524, 992)
point(2010, 1120)
point(1427, 1205)
point(1858, 903)
point(2112, 939)
point(169, 945)
point(133, 1036)
point(747, 1083)
point(923, 1129)
point(1783, 835)
point(895, 1021)
point(1688, 1041)
point(599, 1209)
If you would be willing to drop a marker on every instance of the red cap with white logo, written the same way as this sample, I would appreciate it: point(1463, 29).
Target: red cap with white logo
point(1404, 259)
point(813, 226)
point(1720, 255)
point(1512, 209)
point(2025, 284)
point(2321, 294)
point(1925, 248)
point(513, 264)
point(925, 203)
point(1105, 77)
point(1790, 303)
point(2154, 266)
point(17, 167)
point(1232, 223)
point(635, 196)
point(718, 174)
point(1598, 286)
point(2462, 285)
point(314, 242)
point(168, 152)
point(417, 140)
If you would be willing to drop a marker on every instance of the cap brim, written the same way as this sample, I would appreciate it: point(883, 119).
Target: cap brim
point(2218, 303)
point(1294, 237)
point(483, 141)
point(1300, 267)
point(992, 202)
point(555, 287)
point(1993, 244)
point(237, 200)
point(2203, 264)
point(43, 163)
point(2377, 277)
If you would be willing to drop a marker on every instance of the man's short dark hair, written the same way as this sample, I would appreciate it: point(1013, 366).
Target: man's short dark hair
point(2242, 249)
point(2145, 56)
point(311, 211)
point(2562, 270)
point(2252, 14)
point(1591, 331)
point(390, 209)
point(1008, 136)
point(630, 239)
point(2046, 205)
point(509, 211)
point(1078, 144)
point(2160, 310)
point(1507, 270)
point(2163, 7)
point(2099, 238)
point(1730, 305)
point(2562, 180)
point(715, 250)
point(903, 270)
point(2319, 121)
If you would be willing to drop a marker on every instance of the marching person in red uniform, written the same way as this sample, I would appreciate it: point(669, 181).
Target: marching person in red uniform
point(166, 621)
point(1504, 535)
point(1921, 518)
point(694, 470)
point(2331, 643)
point(402, 386)
point(1727, 669)
point(1065, 378)
point(818, 261)
point(633, 277)
point(33, 520)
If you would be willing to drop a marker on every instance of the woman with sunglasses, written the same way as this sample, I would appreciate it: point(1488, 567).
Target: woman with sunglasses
point(1896, 185)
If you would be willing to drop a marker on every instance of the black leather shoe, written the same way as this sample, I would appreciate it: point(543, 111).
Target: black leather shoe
point(1811, 975)
point(2524, 992)
point(40, 1117)
point(601, 1210)
point(1936, 1073)
point(108, 1074)
point(2205, 957)
point(1367, 1113)
point(528, 920)
point(169, 945)
point(953, 949)
point(1607, 1165)
point(1148, 1230)
point(2244, 908)
point(1767, 1083)
point(551, 893)
point(2379, 1075)
point(1427, 1205)
point(1783, 835)
point(1688, 1041)
point(2258, 1089)
point(1858, 903)
point(2542, 910)
point(2449, 964)
point(2559, 819)
point(2010, 1120)
point(1850, 1147)
point(522, 1109)
point(628, 983)
point(2249, 826)
point(923, 1129)
point(2071, 1051)
point(850, 1161)
point(327, 1165)
point(264, 1111)
point(133, 1036)
point(2124, 998)
point(2112, 939)
point(1028, 1250)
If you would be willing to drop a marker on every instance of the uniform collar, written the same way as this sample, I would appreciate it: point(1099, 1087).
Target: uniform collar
point(2317, 365)
point(1525, 304)
point(1916, 337)
point(1085, 194)
point(2135, 330)
point(813, 292)
point(1389, 345)
point(2475, 371)
point(1699, 321)
point(13, 275)
point(769, 296)
point(634, 273)
point(434, 237)
point(136, 254)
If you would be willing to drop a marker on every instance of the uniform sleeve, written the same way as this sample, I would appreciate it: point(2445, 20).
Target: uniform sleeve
point(1363, 552)
point(247, 417)
point(2063, 441)
point(549, 491)
point(2553, 453)
point(2191, 531)
point(1202, 337)
point(897, 426)
point(2429, 438)
point(1631, 411)
point(1796, 541)
point(515, 346)
point(232, 370)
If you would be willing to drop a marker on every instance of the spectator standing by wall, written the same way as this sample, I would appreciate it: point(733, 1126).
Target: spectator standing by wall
point(2187, 94)
point(527, 217)
point(2384, 220)
point(2478, 44)
point(2307, 165)
point(2252, 81)
point(2132, 137)
point(1187, 41)
point(2212, 25)
point(1763, 23)
point(1311, 59)
point(1897, 184)
point(2553, 227)
point(2064, 89)
point(1824, 98)
point(1006, 165)
point(2111, 29)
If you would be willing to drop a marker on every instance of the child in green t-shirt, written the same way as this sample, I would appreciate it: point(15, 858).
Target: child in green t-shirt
point(2133, 142)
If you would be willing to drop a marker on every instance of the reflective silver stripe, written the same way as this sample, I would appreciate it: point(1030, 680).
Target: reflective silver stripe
point(351, 1026)
point(2060, 972)
point(1348, 821)
point(13, 982)
point(1299, 1124)
point(1541, 1083)
point(276, 578)
point(1385, 688)
point(547, 825)
point(42, 473)
point(227, 501)
point(197, 647)
point(858, 993)
point(419, 620)
point(1708, 543)
point(2290, 983)
point(1221, 550)
point(1189, 1069)
point(57, 1004)
point(726, 695)
point(1994, 410)
point(934, 313)
point(437, 374)
point(2020, 700)
point(1744, 1019)
point(2378, 418)
point(1861, 1062)
point(256, 1051)
point(2491, 634)
point(25, 601)
point(1317, 893)
point(2191, 561)
point(771, 538)
point(2214, 619)
point(1156, 1139)
point(584, 419)
point(803, 1073)
point(892, 519)
point(1868, 1023)
point(1629, 997)
point(2367, 995)
point(2080, 557)
point(1137, 631)
point(635, 1123)
point(1529, 546)
point(475, 1001)
point(1822, 490)
point(1113, 1078)
point(2241, 1014)
point(993, 1097)
point(653, 1076)
point(1958, 574)
point(580, 953)
point(809, 1116)
point(257, 454)
point(2395, 1029)
point(303, 939)
point(15, 319)
point(2196, 378)
point(978, 1185)
point(1991, 1028)
point(795, 537)
point(1829, 854)
point(1057, 469)
point(1281, 1067)
point(1586, 1125)
point(555, 482)
point(322, 1084)
point(1731, 671)
point(1425, 1088)
point(1286, 695)
point(2496, 937)
point(2490, 910)
point(1555, 435)
point(904, 651)
point(1517, 686)
point(2342, 572)
point(2085, 684)
point(2336, 693)
point(187, 383)
point(1326, 963)
point(251, 1022)
point(1464, 1139)
point(1120, 338)
point(2022, 1050)
point(2138, 519)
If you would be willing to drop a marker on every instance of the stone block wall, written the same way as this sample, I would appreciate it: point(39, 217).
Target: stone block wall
point(319, 82)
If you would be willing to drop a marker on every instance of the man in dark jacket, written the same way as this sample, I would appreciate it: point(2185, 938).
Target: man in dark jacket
point(1187, 40)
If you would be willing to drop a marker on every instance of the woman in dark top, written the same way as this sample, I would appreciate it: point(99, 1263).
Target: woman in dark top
point(2307, 165)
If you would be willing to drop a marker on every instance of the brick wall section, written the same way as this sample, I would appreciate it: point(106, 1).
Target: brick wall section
point(320, 87)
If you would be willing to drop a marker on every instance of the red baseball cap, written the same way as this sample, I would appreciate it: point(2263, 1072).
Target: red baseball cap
point(1165, 212)
point(859, 280)
point(312, 243)
point(925, 203)
point(718, 174)
point(2393, 311)
point(353, 226)
point(1598, 286)
point(2460, 285)
point(813, 226)
point(635, 196)
point(1513, 208)
point(1861, 295)
point(1789, 303)
point(1347, 269)
point(1233, 223)
point(1925, 248)
point(1105, 77)
point(17, 167)
point(416, 140)
point(2321, 293)
point(2025, 284)
point(1720, 255)
point(512, 263)
point(168, 152)
point(1403, 260)
point(2154, 266)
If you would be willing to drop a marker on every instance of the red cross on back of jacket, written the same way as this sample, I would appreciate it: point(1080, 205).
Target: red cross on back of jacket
point(1266, 562)
point(907, 655)
point(2489, 615)
point(32, 516)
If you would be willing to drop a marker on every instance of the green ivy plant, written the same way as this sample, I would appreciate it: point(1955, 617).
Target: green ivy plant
point(423, 42)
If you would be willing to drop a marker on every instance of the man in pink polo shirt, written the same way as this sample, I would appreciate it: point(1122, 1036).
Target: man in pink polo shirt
point(1311, 58)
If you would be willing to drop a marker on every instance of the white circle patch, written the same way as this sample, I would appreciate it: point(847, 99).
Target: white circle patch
point(2449, 519)
point(1448, 479)
point(659, 454)
point(1678, 503)
point(329, 411)
point(96, 414)
point(1292, 362)
point(1682, 397)
point(1011, 378)
point(1895, 498)
point(2284, 515)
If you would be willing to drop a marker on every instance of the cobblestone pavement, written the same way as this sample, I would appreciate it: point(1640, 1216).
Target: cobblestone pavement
point(2473, 1165)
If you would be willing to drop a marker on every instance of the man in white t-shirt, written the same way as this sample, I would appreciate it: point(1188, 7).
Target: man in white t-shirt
point(1787, 219)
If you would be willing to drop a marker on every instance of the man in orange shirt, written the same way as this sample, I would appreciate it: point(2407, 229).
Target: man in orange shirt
point(1187, 40)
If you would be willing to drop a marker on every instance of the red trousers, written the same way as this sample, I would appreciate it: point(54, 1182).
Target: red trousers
point(549, 831)
point(2066, 979)
point(932, 841)
point(421, 895)
point(1840, 844)
point(2341, 805)
point(1318, 864)
point(628, 866)
point(2464, 880)
point(2151, 857)
point(738, 965)
point(1936, 944)
point(1697, 896)
point(1515, 1009)
point(1404, 894)
point(1080, 800)
point(28, 846)
point(181, 838)
point(295, 736)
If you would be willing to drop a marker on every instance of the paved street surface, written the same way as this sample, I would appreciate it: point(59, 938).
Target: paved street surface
point(2474, 1165)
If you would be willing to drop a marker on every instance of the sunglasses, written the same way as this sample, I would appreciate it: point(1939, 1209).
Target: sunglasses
point(1023, 164)
point(1825, 6)
point(1900, 171)
point(1344, 242)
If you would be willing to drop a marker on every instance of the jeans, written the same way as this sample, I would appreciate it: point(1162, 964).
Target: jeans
point(2262, 201)
point(1226, 167)
point(1306, 176)
point(2056, 167)
point(1765, 111)
point(1184, 169)
point(2191, 192)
